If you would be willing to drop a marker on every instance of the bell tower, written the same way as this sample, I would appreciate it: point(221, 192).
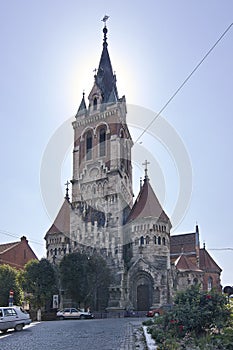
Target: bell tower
point(102, 193)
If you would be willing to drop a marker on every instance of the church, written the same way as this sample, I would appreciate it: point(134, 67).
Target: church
point(149, 264)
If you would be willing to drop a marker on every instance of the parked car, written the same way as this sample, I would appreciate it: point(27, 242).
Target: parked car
point(159, 311)
point(74, 313)
point(13, 317)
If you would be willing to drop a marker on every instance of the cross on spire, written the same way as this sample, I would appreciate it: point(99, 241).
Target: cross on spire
point(146, 169)
point(67, 190)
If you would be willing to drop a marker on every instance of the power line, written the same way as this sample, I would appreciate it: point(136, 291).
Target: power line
point(184, 82)
point(220, 248)
point(7, 233)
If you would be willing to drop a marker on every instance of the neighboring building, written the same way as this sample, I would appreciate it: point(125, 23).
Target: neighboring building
point(192, 264)
point(148, 264)
point(16, 254)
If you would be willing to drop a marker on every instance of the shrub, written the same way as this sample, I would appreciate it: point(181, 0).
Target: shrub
point(198, 319)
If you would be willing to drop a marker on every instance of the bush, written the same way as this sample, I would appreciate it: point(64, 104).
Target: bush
point(198, 319)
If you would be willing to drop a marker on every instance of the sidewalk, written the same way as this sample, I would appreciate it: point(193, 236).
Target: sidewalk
point(137, 338)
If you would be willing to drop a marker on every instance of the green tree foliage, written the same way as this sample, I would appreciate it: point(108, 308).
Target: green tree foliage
point(9, 281)
point(85, 279)
point(39, 281)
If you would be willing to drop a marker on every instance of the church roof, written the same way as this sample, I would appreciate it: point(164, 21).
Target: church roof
point(183, 243)
point(183, 263)
point(82, 108)
point(147, 204)
point(207, 263)
point(105, 79)
point(62, 222)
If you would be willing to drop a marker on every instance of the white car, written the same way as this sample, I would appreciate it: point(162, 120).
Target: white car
point(73, 313)
point(13, 317)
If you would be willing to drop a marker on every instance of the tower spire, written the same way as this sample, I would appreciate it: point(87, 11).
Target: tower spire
point(105, 79)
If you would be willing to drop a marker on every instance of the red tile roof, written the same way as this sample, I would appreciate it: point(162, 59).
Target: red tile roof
point(183, 263)
point(207, 263)
point(147, 205)
point(4, 247)
point(62, 221)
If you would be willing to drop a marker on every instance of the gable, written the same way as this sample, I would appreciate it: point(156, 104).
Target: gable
point(207, 263)
point(16, 254)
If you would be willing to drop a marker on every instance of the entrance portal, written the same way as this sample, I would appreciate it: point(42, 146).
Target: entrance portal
point(143, 297)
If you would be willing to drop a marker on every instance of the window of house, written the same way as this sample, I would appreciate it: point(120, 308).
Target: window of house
point(142, 240)
point(159, 240)
point(89, 146)
point(164, 241)
point(102, 142)
point(210, 283)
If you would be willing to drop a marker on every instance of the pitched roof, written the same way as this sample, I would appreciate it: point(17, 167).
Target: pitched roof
point(147, 204)
point(105, 79)
point(16, 254)
point(207, 263)
point(62, 221)
point(82, 107)
point(6, 246)
point(183, 243)
point(183, 263)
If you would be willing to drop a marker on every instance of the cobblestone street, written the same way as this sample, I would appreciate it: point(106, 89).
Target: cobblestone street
point(103, 334)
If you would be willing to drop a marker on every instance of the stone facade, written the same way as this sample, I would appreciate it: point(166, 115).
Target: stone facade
point(148, 265)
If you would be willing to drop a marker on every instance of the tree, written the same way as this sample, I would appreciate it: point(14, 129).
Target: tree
point(228, 290)
point(86, 279)
point(99, 279)
point(9, 281)
point(38, 280)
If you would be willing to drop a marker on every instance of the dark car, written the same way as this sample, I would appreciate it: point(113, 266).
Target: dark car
point(159, 311)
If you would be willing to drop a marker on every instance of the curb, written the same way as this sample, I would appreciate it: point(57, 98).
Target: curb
point(149, 340)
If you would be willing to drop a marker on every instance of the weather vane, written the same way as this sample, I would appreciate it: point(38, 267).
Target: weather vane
point(105, 19)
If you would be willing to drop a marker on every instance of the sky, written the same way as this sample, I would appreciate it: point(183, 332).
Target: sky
point(49, 50)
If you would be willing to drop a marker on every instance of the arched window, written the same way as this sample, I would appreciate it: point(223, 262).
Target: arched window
point(102, 142)
point(164, 241)
point(159, 240)
point(155, 240)
point(210, 283)
point(95, 104)
point(147, 239)
point(142, 240)
point(157, 295)
point(195, 281)
point(88, 146)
